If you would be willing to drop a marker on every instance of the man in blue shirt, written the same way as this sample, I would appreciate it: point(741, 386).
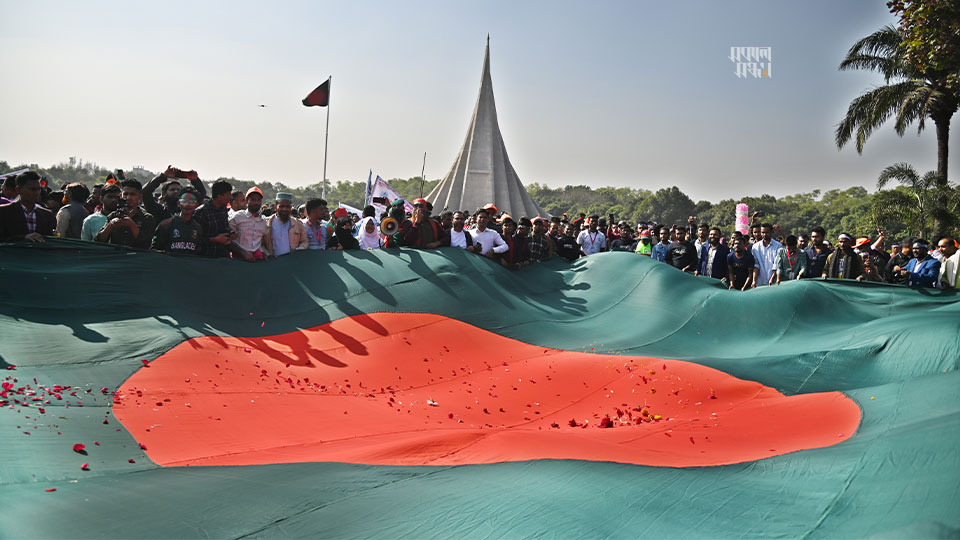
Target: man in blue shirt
point(922, 270)
point(660, 250)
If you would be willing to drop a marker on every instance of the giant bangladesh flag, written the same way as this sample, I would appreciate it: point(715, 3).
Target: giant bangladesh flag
point(434, 394)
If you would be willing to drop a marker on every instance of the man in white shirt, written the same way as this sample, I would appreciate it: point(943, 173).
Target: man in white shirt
point(765, 254)
point(459, 237)
point(592, 240)
point(947, 248)
point(486, 242)
point(250, 227)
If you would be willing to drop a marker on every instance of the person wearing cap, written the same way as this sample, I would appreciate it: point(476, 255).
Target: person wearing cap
point(341, 235)
point(284, 233)
point(495, 217)
point(250, 228)
point(922, 270)
point(539, 244)
point(591, 240)
point(130, 225)
point(950, 263)
point(644, 246)
point(874, 266)
point(180, 234)
point(397, 213)
point(422, 231)
point(844, 263)
point(486, 241)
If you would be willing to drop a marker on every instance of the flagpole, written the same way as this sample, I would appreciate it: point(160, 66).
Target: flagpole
point(326, 138)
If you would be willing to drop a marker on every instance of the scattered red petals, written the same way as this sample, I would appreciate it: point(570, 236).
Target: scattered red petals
point(146, 363)
point(131, 461)
point(79, 447)
point(607, 422)
point(85, 467)
point(143, 446)
point(573, 422)
point(10, 367)
point(48, 489)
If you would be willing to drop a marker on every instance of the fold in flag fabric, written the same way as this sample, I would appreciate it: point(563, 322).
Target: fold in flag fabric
point(402, 393)
point(320, 97)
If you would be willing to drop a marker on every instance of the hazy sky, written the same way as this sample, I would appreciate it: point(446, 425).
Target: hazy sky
point(630, 93)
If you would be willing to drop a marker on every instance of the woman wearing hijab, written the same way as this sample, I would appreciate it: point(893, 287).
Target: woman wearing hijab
point(367, 235)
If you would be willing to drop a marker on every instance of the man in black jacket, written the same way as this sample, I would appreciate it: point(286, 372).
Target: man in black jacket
point(25, 219)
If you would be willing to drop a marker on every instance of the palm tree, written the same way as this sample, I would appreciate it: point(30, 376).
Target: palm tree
point(922, 188)
point(908, 95)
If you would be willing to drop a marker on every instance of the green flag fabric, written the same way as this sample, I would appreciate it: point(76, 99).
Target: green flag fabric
point(407, 393)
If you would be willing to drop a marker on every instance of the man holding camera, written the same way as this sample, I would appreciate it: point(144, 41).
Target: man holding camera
point(129, 225)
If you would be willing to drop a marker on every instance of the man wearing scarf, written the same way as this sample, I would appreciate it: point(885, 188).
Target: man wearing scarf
point(844, 263)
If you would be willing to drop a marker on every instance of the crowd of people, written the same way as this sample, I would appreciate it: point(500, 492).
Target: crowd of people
point(186, 220)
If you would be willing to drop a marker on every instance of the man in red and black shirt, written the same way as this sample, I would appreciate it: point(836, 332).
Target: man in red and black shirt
point(424, 232)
